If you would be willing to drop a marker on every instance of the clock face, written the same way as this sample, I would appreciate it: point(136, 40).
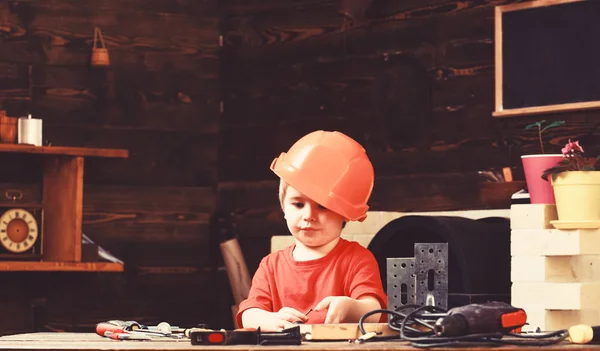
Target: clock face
point(18, 230)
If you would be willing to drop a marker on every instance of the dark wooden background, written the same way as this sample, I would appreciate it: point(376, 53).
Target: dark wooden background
point(412, 80)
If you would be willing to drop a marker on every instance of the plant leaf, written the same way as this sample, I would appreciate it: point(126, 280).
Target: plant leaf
point(536, 124)
point(588, 168)
point(554, 124)
point(561, 166)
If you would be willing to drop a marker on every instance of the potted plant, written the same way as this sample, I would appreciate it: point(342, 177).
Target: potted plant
point(540, 191)
point(576, 185)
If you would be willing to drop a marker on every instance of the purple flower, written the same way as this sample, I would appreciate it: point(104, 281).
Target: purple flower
point(571, 147)
point(573, 160)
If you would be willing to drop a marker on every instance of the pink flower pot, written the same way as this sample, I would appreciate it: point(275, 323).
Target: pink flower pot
point(540, 191)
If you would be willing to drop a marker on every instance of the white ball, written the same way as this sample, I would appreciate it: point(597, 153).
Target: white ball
point(163, 327)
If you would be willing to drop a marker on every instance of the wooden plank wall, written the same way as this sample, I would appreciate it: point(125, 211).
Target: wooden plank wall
point(159, 98)
point(412, 80)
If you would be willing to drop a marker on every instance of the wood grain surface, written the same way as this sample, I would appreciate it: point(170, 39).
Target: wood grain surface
point(88, 341)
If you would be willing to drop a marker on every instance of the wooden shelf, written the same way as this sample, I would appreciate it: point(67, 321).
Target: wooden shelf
point(13, 204)
point(64, 150)
point(61, 266)
point(62, 206)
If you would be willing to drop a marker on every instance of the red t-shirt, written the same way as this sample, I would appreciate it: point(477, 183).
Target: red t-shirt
point(280, 281)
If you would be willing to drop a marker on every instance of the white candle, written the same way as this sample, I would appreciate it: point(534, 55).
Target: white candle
point(30, 131)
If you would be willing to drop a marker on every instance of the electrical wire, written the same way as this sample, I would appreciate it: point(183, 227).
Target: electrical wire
point(417, 328)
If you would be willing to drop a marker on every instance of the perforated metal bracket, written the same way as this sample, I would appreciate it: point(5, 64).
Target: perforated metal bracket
point(431, 269)
point(400, 282)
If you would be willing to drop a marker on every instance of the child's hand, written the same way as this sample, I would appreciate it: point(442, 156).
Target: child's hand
point(343, 309)
point(271, 321)
point(338, 308)
point(286, 317)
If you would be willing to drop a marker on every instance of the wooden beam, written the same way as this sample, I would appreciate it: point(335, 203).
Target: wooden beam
point(63, 206)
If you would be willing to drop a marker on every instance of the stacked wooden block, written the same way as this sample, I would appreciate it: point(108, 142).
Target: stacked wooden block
point(555, 273)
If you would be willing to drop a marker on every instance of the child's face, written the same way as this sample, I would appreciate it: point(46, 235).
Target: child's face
point(310, 223)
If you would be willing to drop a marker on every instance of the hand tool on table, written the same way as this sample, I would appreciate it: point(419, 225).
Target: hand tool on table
point(126, 336)
point(115, 329)
point(246, 336)
point(474, 324)
point(490, 317)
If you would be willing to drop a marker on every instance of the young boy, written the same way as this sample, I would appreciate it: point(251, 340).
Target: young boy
point(326, 180)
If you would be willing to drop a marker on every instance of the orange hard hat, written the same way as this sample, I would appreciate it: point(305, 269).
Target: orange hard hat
point(330, 168)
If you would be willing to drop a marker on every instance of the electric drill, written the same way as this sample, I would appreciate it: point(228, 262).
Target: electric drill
point(490, 317)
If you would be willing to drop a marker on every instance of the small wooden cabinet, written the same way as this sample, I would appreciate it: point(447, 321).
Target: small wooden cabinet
point(62, 206)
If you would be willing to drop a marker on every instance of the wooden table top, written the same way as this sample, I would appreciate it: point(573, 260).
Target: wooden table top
point(91, 341)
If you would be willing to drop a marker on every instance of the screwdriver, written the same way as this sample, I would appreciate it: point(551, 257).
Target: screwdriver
point(104, 328)
point(306, 314)
point(126, 336)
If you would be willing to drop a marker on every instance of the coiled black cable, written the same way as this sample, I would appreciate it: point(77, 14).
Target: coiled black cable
point(417, 328)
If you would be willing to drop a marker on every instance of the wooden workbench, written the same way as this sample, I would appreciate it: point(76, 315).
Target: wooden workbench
point(90, 341)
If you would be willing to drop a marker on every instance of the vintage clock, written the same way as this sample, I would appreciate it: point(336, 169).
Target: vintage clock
point(20, 234)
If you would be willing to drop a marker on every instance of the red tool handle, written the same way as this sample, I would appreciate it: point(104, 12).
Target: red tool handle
point(102, 328)
point(118, 335)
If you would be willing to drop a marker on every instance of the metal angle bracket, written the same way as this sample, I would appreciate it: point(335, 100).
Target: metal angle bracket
point(431, 269)
point(400, 282)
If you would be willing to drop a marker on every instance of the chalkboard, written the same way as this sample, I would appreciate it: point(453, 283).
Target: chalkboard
point(547, 56)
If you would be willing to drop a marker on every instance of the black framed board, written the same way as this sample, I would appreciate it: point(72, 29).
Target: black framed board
point(547, 57)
